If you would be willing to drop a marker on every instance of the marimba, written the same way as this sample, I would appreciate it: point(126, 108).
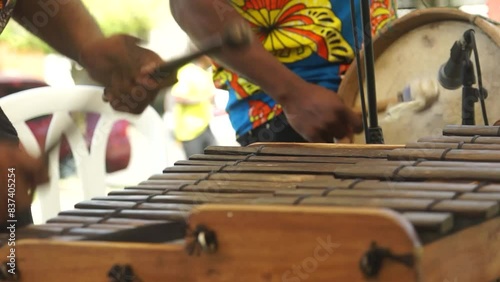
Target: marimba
point(427, 211)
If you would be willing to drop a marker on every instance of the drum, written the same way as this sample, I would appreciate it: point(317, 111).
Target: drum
point(411, 51)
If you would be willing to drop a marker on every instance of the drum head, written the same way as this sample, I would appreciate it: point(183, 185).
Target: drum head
point(411, 50)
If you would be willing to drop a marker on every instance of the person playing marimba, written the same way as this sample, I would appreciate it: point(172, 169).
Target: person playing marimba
point(283, 87)
point(117, 62)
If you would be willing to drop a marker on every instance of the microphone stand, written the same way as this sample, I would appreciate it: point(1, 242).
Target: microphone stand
point(481, 93)
point(374, 131)
point(469, 94)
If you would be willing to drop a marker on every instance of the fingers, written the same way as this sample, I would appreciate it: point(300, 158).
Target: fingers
point(134, 102)
point(151, 78)
point(35, 169)
point(334, 122)
point(123, 68)
point(24, 162)
point(125, 95)
point(319, 136)
point(345, 122)
point(25, 172)
point(323, 131)
point(129, 39)
point(339, 129)
point(354, 121)
point(147, 75)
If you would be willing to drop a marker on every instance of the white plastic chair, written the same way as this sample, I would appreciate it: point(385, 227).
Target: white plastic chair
point(148, 149)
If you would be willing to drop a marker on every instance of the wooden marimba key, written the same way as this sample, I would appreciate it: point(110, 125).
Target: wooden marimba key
point(427, 211)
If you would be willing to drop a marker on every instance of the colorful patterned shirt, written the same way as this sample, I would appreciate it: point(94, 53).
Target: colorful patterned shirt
point(6, 9)
point(313, 38)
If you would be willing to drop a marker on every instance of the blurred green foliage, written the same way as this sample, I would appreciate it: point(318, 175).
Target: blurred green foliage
point(114, 16)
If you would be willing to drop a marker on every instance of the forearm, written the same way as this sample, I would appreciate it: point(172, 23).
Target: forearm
point(208, 18)
point(65, 25)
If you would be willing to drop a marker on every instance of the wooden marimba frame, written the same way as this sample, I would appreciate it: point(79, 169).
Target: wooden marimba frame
point(427, 211)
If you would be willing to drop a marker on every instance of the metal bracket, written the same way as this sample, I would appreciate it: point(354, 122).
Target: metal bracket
point(372, 260)
point(122, 273)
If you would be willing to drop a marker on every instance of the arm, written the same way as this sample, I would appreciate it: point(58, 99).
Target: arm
point(313, 111)
point(66, 18)
point(116, 62)
point(21, 173)
point(208, 18)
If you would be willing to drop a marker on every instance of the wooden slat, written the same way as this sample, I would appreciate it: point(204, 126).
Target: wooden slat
point(132, 214)
point(190, 198)
point(393, 185)
point(420, 173)
point(282, 201)
point(392, 203)
point(255, 177)
point(178, 178)
point(424, 186)
point(207, 186)
point(298, 151)
point(471, 130)
point(458, 139)
point(105, 205)
point(466, 146)
point(201, 162)
point(439, 222)
point(274, 164)
point(423, 162)
point(223, 194)
point(58, 225)
point(470, 174)
point(440, 154)
point(216, 184)
point(104, 226)
point(90, 220)
point(158, 185)
point(135, 192)
point(482, 209)
point(491, 188)
point(109, 204)
point(257, 168)
point(406, 194)
point(230, 150)
point(481, 196)
point(299, 192)
point(331, 146)
point(229, 188)
point(287, 159)
point(232, 189)
point(87, 231)
point(172, 181)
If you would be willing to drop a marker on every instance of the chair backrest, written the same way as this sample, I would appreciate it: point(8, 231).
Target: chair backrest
point(148, 154)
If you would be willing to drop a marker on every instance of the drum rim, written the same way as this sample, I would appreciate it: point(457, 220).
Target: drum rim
point(349, 88)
